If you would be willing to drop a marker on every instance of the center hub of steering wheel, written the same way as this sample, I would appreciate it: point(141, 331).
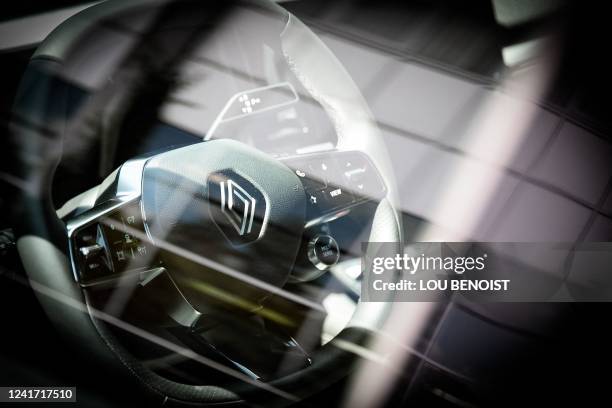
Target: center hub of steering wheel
point(238, 207)
point(227, 204)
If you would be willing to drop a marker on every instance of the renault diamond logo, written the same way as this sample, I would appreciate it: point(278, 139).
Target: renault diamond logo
point(238, 206)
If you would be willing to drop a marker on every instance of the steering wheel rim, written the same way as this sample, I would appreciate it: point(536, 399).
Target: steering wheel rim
point(42, 233)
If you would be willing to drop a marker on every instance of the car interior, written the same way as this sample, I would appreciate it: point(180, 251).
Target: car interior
point(190, 191)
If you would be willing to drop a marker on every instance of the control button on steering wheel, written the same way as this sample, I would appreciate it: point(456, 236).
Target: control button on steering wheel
point(323, 251)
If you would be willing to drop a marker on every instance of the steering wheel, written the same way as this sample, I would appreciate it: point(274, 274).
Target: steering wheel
point(211, 232)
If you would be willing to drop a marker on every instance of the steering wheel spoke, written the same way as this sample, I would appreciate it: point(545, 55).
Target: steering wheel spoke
point(108, 244)
point(334, 182)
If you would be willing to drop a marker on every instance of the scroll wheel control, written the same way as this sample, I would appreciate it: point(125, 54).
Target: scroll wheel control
point(91, 250)
point(323, 251)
